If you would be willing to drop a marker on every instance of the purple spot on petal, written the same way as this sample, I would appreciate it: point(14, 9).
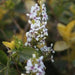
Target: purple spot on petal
point(44, 15)
point(36, 7)
point(39, 73)
point(34, 17)
point(39, 66)
point(32, 67)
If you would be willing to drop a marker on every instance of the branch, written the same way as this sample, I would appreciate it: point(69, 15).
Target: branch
point(4, 34)
point(3, 1)
point(25, 29)
point(3, 69)
point(17, 25)
point(17, 69)
point(37, 1)
point(53, 12)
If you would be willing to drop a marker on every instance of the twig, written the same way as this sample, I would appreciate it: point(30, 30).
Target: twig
point(3, 1)
point(37, 1)
point(3, 69)
point(5, 36)
point(22, 0)
point(17, 69)
point(53, 12)
point(17, 25)
point(25, 29)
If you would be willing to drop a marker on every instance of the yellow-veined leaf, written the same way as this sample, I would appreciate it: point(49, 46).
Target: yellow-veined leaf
point(61, 28)
point(10, 45)
point(66, 31)
point(70, 26)
point(63, 31)
point(72, 37)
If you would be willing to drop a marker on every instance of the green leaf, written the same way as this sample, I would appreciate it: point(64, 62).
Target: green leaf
point(2, 68)
point(10, 71)
point(7, 71)
point(3, 57)
point(26, 53)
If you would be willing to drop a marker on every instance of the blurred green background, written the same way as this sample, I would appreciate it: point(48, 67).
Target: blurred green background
point(13, 21)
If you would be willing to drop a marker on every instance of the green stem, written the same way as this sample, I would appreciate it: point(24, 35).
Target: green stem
point(3, 69)
point(8, 66)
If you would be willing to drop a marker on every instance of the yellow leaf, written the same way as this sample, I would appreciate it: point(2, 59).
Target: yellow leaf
point(61, 28)
point(20, 36)
point(61, 46)
point(62, 31)
point(70, 26)
point(10, 45)
point(72, 37)
point(66, 31)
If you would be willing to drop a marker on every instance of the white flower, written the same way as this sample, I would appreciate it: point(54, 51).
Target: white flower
point(35, 25)
point(26, 44)
point(30, 63)
point(29, 39)
point(34, 56)
point(29, 66)
point(38, 31)
point(22, 74)
point(29, 21)
point(52, 58)
point(37, 39)
point(36, 67)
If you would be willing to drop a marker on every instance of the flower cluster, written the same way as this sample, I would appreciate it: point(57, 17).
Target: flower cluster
point(36, 39)
point(35, 66)
point(48, 50)
point(38, 31)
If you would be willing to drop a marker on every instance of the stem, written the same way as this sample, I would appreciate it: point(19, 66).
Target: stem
point(17, 69)
point(19, 73)
point(17, 25)
point(4, 34)
point(3, 1)
point(8, 66)
point(38, 2)
point(53, 12)
point(3, 69)
point(25, 29)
